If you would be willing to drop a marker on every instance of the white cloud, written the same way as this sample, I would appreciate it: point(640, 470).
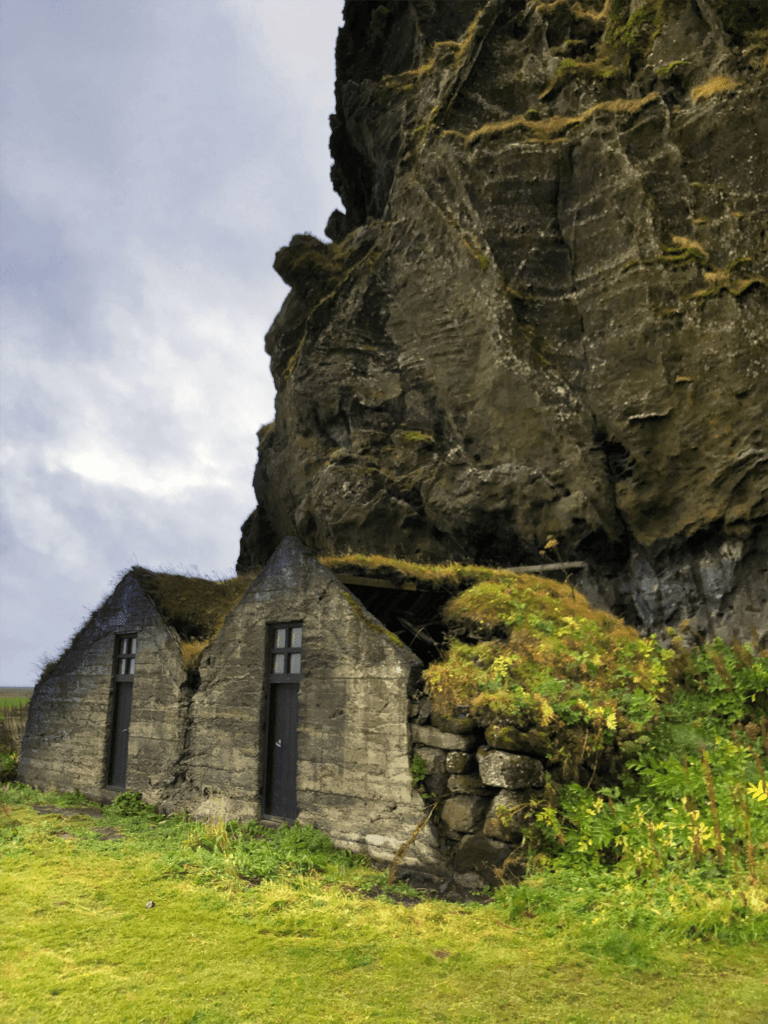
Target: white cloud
point(154, 158)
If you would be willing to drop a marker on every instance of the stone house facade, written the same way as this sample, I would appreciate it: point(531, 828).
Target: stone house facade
point(96, 728)
point(323, 741)
point(303, 706)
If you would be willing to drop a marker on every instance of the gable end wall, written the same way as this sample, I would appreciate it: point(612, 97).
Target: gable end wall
point(353, 775)
point(66, 742)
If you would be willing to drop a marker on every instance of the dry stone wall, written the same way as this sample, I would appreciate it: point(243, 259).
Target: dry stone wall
point(482, 790)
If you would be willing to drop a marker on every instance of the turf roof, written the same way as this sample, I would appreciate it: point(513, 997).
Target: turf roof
point(193, 605)
point(450, 577)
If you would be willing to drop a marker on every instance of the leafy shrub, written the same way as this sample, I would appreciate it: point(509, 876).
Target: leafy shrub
point(681, 843)
point(130, 805)
point(9, 759)
point(419, 770)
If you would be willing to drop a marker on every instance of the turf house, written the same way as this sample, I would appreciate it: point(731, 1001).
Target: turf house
point(354, 693)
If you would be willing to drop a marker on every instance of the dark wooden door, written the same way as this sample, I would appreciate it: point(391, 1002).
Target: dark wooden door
point(122, 722)
point(283, 752)
point(283, 721)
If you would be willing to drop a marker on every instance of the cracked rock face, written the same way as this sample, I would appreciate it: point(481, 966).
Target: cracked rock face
point(543, 313)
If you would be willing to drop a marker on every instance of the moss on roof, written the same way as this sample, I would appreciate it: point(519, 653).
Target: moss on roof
point(541, 658)
point(450, 577)
point(194, 606)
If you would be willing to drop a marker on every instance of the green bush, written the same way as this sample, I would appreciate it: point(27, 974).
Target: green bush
point(130, 805)
point(680, 844)
point(9, 759)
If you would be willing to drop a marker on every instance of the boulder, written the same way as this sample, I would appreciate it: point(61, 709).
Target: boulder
point(463, 813)
point(431, 737)
point(436, 783)
point(506, 827)
point(433, 758)
point(509, 771)
point(459, 761)
point(453, 724)
point(508, 737)
point(482, 855)
point(468, 784)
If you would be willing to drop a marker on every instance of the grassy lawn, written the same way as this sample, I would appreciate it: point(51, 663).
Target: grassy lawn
point(80, 945)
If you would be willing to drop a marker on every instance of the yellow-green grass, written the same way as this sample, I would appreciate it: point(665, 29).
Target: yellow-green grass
point(81, 946)
point(12, 702)
point(713, 87)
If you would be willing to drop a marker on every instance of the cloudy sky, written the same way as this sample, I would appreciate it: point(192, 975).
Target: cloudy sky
point(154, 156)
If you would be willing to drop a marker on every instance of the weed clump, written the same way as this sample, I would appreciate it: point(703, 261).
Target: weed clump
point(216, 850)
point(713, 87)
point(9, 760)
point(130, 804)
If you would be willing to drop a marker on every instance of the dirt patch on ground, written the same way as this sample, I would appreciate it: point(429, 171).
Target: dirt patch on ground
point(69, 812)
point(104, 834)
point(109, 833)
point(449, 892)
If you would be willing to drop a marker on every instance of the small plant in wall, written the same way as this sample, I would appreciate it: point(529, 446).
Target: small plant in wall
point(8, 761)
point(419, 770)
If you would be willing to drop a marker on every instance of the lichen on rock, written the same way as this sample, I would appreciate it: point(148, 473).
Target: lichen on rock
point(543, 310)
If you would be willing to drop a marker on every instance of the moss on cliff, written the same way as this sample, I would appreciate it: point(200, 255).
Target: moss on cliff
point(546, 129)
point(684, 249)
point(713, 86)
point(447, 576)
point(532, 376)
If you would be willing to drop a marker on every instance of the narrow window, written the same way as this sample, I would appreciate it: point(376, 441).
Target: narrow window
point(284, 678)
point(124, 669)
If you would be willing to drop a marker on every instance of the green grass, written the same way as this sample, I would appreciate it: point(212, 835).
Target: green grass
point(305, 945)
point(645, 899)
point(11, 707)
point(13, 702)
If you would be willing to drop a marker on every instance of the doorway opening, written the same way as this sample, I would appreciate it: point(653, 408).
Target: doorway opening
point(284, 668)
point(125, 666)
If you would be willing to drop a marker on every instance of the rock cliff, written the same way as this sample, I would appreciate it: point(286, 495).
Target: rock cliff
point(544, 313)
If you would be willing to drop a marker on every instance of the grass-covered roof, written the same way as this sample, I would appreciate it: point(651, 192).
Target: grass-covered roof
point(532, 654)
point(194, 606)
point(450, 577)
